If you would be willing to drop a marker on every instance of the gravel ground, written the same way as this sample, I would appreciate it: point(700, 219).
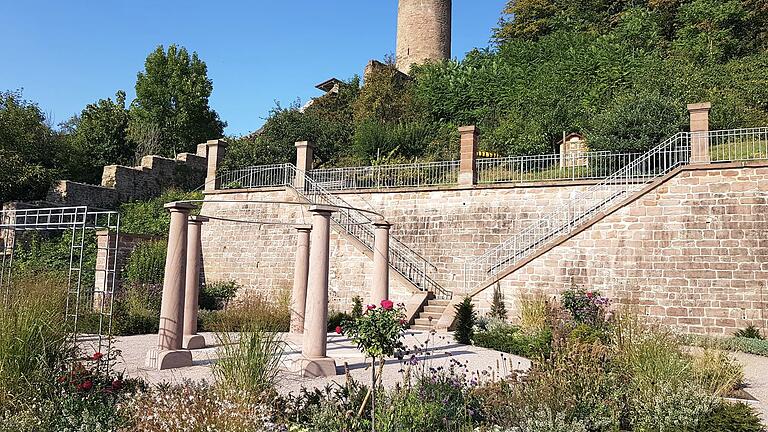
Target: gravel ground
point(756, 377)
point(435, 350)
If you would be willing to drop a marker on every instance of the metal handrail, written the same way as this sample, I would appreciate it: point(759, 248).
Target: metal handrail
point(673, 152)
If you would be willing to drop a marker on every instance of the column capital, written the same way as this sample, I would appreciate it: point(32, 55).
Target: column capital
point(179, 206)
point(198, 219)
point(303, 227)
point(304, 144)
point(382, 223)
point(321, 208)
point(468, 130)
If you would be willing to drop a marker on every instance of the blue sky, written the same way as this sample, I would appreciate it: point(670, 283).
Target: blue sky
point(66, 54)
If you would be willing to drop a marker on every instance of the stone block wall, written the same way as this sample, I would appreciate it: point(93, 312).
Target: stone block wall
point(261, 257)
point(691, 254)
point(122, 183)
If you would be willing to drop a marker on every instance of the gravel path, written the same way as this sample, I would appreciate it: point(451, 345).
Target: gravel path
point(434, 350)
point(756, 377)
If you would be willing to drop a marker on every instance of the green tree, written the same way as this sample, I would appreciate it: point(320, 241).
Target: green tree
point(172, 100)
point(99, 137)
point(30, 151)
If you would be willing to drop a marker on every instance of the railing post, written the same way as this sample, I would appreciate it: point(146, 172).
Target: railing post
point(305, 151)
point(217, 149)
point(699, 113)
point(467, 164)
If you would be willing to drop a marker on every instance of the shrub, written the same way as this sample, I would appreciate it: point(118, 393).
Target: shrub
point(250, 361)
point(465, 321)
point(217, 295)
point(750, 332)
point(731, 417)
point(150, 217)
point(510, 339)
point(379, 331)
point(717, 373)
point(587, 307)
point(498, 307)
point(146, 264)
point(742, 344)
point(252, 311)
point(535, 314)
point(137, 310)
point(338, 319)
point(357, 307)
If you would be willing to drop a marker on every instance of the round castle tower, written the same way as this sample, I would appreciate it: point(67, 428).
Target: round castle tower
point(423, 32)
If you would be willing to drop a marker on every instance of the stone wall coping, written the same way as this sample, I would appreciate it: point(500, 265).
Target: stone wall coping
point(699, 106)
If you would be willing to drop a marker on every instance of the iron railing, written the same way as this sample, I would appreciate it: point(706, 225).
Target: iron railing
point(736, 144)
point(387, 176)
point(407, 262)
point(573, 166)
point(255, 177)
point(578, 209)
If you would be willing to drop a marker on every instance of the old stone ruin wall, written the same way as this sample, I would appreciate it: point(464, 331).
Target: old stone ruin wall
point(691, 254)
point(122, 183)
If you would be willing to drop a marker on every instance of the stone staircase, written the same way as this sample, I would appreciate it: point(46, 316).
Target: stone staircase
point(427, 319)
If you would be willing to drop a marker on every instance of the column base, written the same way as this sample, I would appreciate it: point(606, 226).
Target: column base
point(192, 342)
point(314, 367)
point(168, 359)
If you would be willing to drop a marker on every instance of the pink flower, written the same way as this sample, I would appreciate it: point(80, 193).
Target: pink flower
point(86, 385)
point(402, 322)
point(371, 307)
point(589, 294)
point(387, 304)
point(97, 356)
point(117, 385)
point(338, 329)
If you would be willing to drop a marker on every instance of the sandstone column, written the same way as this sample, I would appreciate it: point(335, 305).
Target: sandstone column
point(380, 290)
point(304, 159)
point(168, 353)
point(467, 169)
point(300, 275)
point(699, 113)
point(314, 361)
point(216, 150)
point(192, 340)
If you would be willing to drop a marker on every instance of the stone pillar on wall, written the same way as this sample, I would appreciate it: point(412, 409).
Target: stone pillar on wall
point(217, 149)
point(191, 339)
point(169, 353)
point(380, 290)
point(699, 113)
point(314, 361)
point(304, 160)
point(300, 274)
point(467, 169)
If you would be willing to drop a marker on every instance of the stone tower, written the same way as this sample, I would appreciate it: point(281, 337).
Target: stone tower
point(423, 32)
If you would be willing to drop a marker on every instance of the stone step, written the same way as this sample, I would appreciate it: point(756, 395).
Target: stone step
point(433, 315)
point(424, 322)
point(434, 309)
point(437, 302)
point(420, 327)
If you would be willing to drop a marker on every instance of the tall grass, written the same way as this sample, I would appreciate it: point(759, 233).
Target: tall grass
point(248, 361)
point(252, 311)
point(33, 339)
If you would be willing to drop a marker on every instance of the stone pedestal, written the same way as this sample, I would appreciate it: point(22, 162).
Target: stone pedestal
point(300, 277)
point(380, 289)
point(216, 151)
point(304, 161)
point(191, 339)
point(314, 361)
point(700, 132)
point(167, 354)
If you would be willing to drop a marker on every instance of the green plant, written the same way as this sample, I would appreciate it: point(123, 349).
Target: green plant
point(357, 307)
point(747, 345)
point(717, 373)
point(146, 263)
point(509, 339)
point(150, 217)
point(498, 307)
point(535, 313)
point(731, 417)
point(585, 306)
point(251, 311)
point(338, 319)
point(750, 332)
point(250, 361)
point(465, 321)
point(217, 295)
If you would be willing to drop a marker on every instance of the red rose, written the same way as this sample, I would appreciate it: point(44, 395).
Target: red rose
point(402, 322)
point(117, 385)
point(338, 329)
point(86, 385)
point(387, 304)
point(371, 307)
point(97, 356)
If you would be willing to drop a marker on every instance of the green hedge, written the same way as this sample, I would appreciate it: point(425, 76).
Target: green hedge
point(510, 339)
